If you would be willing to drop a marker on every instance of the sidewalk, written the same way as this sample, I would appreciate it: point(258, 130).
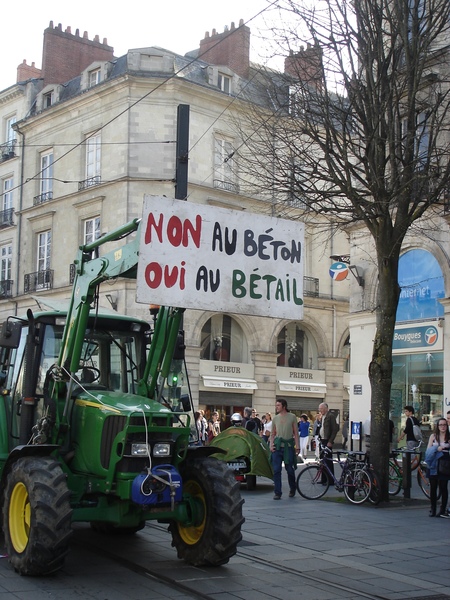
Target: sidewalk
point(292, 549)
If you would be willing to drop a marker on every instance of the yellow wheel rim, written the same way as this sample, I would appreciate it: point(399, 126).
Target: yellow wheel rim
point(19, 517)
point(191, 534)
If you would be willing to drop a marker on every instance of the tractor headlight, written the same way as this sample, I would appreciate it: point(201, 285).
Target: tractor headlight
point(161, 450)
point(140, 450)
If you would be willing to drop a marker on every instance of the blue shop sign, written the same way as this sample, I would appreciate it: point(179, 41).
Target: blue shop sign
point(422, 284)
point(423, 338)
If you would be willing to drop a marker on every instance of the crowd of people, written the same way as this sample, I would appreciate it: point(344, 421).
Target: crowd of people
point(290, 437)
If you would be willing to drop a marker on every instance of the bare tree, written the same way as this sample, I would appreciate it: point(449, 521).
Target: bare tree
point(357, 128)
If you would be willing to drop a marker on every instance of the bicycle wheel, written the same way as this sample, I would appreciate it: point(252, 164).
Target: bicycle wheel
point(395, 479)
point(309, 482)
point(424, 483)
point(357, 486)
point(375, 493)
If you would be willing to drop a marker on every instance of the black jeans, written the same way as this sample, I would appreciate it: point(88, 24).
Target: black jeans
point(443, 487)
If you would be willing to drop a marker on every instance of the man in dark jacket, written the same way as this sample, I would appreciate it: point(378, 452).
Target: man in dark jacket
point(328, 432)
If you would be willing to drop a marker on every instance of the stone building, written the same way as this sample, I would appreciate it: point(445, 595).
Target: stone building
point(87, 136)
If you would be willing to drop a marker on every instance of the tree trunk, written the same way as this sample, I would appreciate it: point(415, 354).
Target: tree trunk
point(380, 368)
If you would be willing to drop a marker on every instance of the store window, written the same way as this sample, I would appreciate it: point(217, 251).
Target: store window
point(223, 339)
point(296, 348)
point(422, 284)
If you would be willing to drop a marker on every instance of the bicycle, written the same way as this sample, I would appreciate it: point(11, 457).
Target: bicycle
point(314, 481)
point(396, 472)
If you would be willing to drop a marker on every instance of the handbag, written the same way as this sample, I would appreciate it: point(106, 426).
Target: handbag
point(444, 465)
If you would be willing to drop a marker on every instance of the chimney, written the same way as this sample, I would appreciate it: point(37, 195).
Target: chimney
point(25, 72)
point(230, 48)
point(66, 55)
point(306, 66)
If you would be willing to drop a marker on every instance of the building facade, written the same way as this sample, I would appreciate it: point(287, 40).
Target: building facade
point(85, 139)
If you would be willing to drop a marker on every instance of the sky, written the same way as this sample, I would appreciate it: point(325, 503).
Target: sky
point(176, 25)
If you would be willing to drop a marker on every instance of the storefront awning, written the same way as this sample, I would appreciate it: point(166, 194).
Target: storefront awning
point(305, 389)
point(229, 383)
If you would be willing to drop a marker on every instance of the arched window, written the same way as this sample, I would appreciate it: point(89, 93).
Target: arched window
point(296, 348)
point(224, 340)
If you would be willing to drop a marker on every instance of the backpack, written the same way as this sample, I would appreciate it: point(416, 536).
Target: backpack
point(417, 432)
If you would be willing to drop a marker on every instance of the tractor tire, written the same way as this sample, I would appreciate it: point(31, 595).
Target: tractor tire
point(36, 516)
point(213, 540)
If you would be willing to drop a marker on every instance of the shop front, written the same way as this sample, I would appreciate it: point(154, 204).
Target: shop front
point(226, 387)
point(418, 345)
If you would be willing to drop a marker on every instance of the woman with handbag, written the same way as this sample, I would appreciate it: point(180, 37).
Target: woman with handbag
point(437, 459)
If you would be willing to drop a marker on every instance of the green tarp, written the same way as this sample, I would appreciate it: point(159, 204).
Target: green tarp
point(238, 442)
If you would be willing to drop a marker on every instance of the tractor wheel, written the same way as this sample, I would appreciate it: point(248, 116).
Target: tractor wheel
point(36, 516)
point(216, 513)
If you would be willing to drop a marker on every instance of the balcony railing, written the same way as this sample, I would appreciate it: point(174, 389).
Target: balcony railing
point(40, 280)
point(90, 182)
point(6, 217)
point(228, 186)
point(311, 286)
point(6, 288)
point(42, 198)
point(7, 150)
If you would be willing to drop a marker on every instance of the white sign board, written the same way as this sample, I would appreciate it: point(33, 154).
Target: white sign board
point(209, 258)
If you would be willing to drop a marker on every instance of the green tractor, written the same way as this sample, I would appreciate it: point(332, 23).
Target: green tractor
point(97, 426)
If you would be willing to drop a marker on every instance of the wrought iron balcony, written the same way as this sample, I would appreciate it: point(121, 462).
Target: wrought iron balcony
point(90, 182)
point(228, 186)
point(311, 286)
point(6, 217)
point(39, 280)
point(6, 288)
point(7, 150)
point(42, 198)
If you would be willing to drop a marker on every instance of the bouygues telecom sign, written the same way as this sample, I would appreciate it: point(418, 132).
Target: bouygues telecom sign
point(210, 258)
point(426, 337)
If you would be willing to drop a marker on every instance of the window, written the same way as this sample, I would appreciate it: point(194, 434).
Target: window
point(48, 99)
point(296, 101)
point(46, 182)
point(10, 133)
point(224, 83)
point(224, 165)
point(222, 339)
point(7, 202)
point(91, 230)
point(94, 77)
point(5, 262)
point(7, 199)
point(296, 348)
point(43, 250)
point(93, 156)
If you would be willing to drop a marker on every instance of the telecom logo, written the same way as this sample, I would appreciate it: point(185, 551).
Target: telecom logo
point(431, 336)
point(338, 271)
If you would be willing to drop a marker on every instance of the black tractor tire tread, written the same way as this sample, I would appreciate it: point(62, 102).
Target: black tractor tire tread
point(51, 516)
point(222, 532)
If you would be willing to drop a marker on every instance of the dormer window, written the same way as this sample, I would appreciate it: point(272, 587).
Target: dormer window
point(95, 76)
point(224, 82)
point(48, 99)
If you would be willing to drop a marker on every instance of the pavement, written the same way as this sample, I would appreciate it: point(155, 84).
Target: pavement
point(293, 548)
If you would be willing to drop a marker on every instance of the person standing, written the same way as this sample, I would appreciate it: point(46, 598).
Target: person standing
point(267, 427)
point(411, 420)
point(328, 432)
point(438, 444)
point(303, 428)
point(284, 445)
point(345, 433)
